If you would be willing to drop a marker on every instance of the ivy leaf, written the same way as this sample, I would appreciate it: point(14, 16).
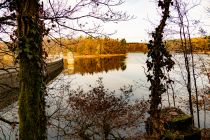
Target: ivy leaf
point(29, 56)
point(33, 31)
point(26, 50)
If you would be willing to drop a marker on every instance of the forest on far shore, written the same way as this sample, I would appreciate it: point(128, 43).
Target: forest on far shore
point(98, 46)
point(92, 46)
point(200, 45)
point(103, 46)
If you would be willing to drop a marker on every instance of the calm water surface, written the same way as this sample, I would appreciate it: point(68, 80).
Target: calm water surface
point(116, 72)
point(119, 71)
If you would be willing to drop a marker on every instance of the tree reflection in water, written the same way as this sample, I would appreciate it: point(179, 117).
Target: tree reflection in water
point(84, 65)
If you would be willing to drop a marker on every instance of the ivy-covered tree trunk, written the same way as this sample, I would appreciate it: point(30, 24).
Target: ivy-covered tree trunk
point(158, 59)
point(32, 119)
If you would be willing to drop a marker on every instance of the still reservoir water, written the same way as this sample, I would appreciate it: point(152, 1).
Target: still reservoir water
point(119, 71)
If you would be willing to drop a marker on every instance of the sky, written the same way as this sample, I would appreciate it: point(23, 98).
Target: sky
point(145, 11)
point(147, 18)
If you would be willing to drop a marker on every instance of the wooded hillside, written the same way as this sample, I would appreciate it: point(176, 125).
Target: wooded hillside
point(87, 46)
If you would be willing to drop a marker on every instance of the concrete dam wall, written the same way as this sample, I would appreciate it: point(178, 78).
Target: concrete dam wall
point(9, 81)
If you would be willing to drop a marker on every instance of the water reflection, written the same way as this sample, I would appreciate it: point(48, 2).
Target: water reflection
point(94, 65)
point(116, 72)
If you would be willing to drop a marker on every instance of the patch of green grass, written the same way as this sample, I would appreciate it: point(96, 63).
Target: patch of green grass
point(180, 118)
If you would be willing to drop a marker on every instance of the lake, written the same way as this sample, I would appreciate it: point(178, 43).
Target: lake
point(119, 71)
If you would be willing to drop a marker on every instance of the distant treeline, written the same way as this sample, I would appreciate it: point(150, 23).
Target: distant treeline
point(136, 47)
point(96, 46)
point(104, 45)
point(93, 46)
point(6, 57)
point(201, 44)
point(88, 46)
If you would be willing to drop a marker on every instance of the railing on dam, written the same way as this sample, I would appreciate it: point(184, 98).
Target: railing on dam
point(9, 81)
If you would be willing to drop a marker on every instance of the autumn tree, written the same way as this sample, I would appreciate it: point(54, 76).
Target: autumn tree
point(96, 46)
point(99, 113)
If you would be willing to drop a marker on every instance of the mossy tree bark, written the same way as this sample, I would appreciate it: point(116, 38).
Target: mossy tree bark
point(158, 59)
point(32, 119)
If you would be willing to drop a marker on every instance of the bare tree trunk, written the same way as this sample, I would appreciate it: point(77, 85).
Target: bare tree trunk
point(204, 110)
point(193, 71)
point(169, 104)
point(174, 101)
point(173, 93)
point(185, 50)
point(32, 119)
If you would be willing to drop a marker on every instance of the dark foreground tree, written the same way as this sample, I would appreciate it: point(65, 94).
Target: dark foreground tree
point(32, 118)
point(158, 60)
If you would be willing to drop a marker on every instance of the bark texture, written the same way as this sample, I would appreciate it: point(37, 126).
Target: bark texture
point(32, 119)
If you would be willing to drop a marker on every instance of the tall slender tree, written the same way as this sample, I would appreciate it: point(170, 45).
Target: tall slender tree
point(187, 47)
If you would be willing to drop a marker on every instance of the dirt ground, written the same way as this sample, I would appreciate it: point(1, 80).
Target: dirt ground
point(205, 134)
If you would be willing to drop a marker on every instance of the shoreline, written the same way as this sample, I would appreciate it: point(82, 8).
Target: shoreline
point(207, 53)
point(113, 55)
point(100, 55)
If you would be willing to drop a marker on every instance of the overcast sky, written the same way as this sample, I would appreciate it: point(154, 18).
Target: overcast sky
point(145, 11)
